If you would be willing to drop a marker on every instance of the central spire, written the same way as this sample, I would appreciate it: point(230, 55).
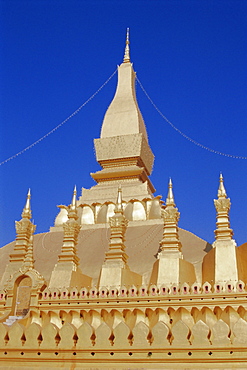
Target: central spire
point(122, 150)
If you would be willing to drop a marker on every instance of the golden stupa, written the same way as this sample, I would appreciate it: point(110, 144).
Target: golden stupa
point(115, 283)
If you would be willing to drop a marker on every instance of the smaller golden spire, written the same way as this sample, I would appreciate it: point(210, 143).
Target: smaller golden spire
point(118, 224)
point(24, 231)
point(127, 49)
point(170, 214)
point(221, 190)
point(222, 206)
point(170, 197)
point(26, 213)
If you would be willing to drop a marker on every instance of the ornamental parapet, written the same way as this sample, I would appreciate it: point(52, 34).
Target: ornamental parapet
point(143, 291)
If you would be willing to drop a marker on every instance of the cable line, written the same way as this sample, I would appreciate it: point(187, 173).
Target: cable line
point(60, 124)
point(151, 101)
point(184, 135)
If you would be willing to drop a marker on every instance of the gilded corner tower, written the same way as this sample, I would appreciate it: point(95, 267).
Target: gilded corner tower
point(116, 283)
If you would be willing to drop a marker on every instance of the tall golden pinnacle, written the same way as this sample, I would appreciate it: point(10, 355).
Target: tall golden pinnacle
point(67, 272)
point(170, 215)
point(118, 225)
point(27, 213)
point(222, 206)
point(24, 231)
point(127, 49)
point(115, 271)
point(170, 267)
point(71, 230)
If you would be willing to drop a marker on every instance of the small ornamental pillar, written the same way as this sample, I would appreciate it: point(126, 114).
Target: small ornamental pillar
point(21, 262)
point(71, 230)
point(21, 259)
point(170, 267)
point(24, 231)
point(170, 241)
point(220, 263)
point(66, 272)
point(222, 206)
point(118, 224)
point(225, 246)
point(115, 271)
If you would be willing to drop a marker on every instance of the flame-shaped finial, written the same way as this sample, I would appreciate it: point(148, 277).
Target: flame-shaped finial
point(127, 49)
point(73, 202)
point(26, 213)
point(221, 190)
point(119, 205)
point(170, 197)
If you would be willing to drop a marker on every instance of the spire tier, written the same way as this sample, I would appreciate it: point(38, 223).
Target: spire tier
point(123, 116)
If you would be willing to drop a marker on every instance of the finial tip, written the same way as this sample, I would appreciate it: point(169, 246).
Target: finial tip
point(170, 196)
point(222, 190)
point(119, 205)
point(26, 213)
point(73, 201)
point(127, 50)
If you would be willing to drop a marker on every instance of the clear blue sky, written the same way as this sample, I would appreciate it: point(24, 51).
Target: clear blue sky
point(190, 56)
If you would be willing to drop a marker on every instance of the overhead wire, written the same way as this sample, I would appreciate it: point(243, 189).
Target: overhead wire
point(60, 124)
point(153, 104)
point(183, 134)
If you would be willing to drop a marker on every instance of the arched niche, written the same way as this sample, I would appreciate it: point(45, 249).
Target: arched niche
point(128, 212)
point(110, 211)
point(102, 214)
point(87, 216)
point(138, 212)
point(20, 286)
point(135, 211)
point(155, 209)
point(23, 295)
